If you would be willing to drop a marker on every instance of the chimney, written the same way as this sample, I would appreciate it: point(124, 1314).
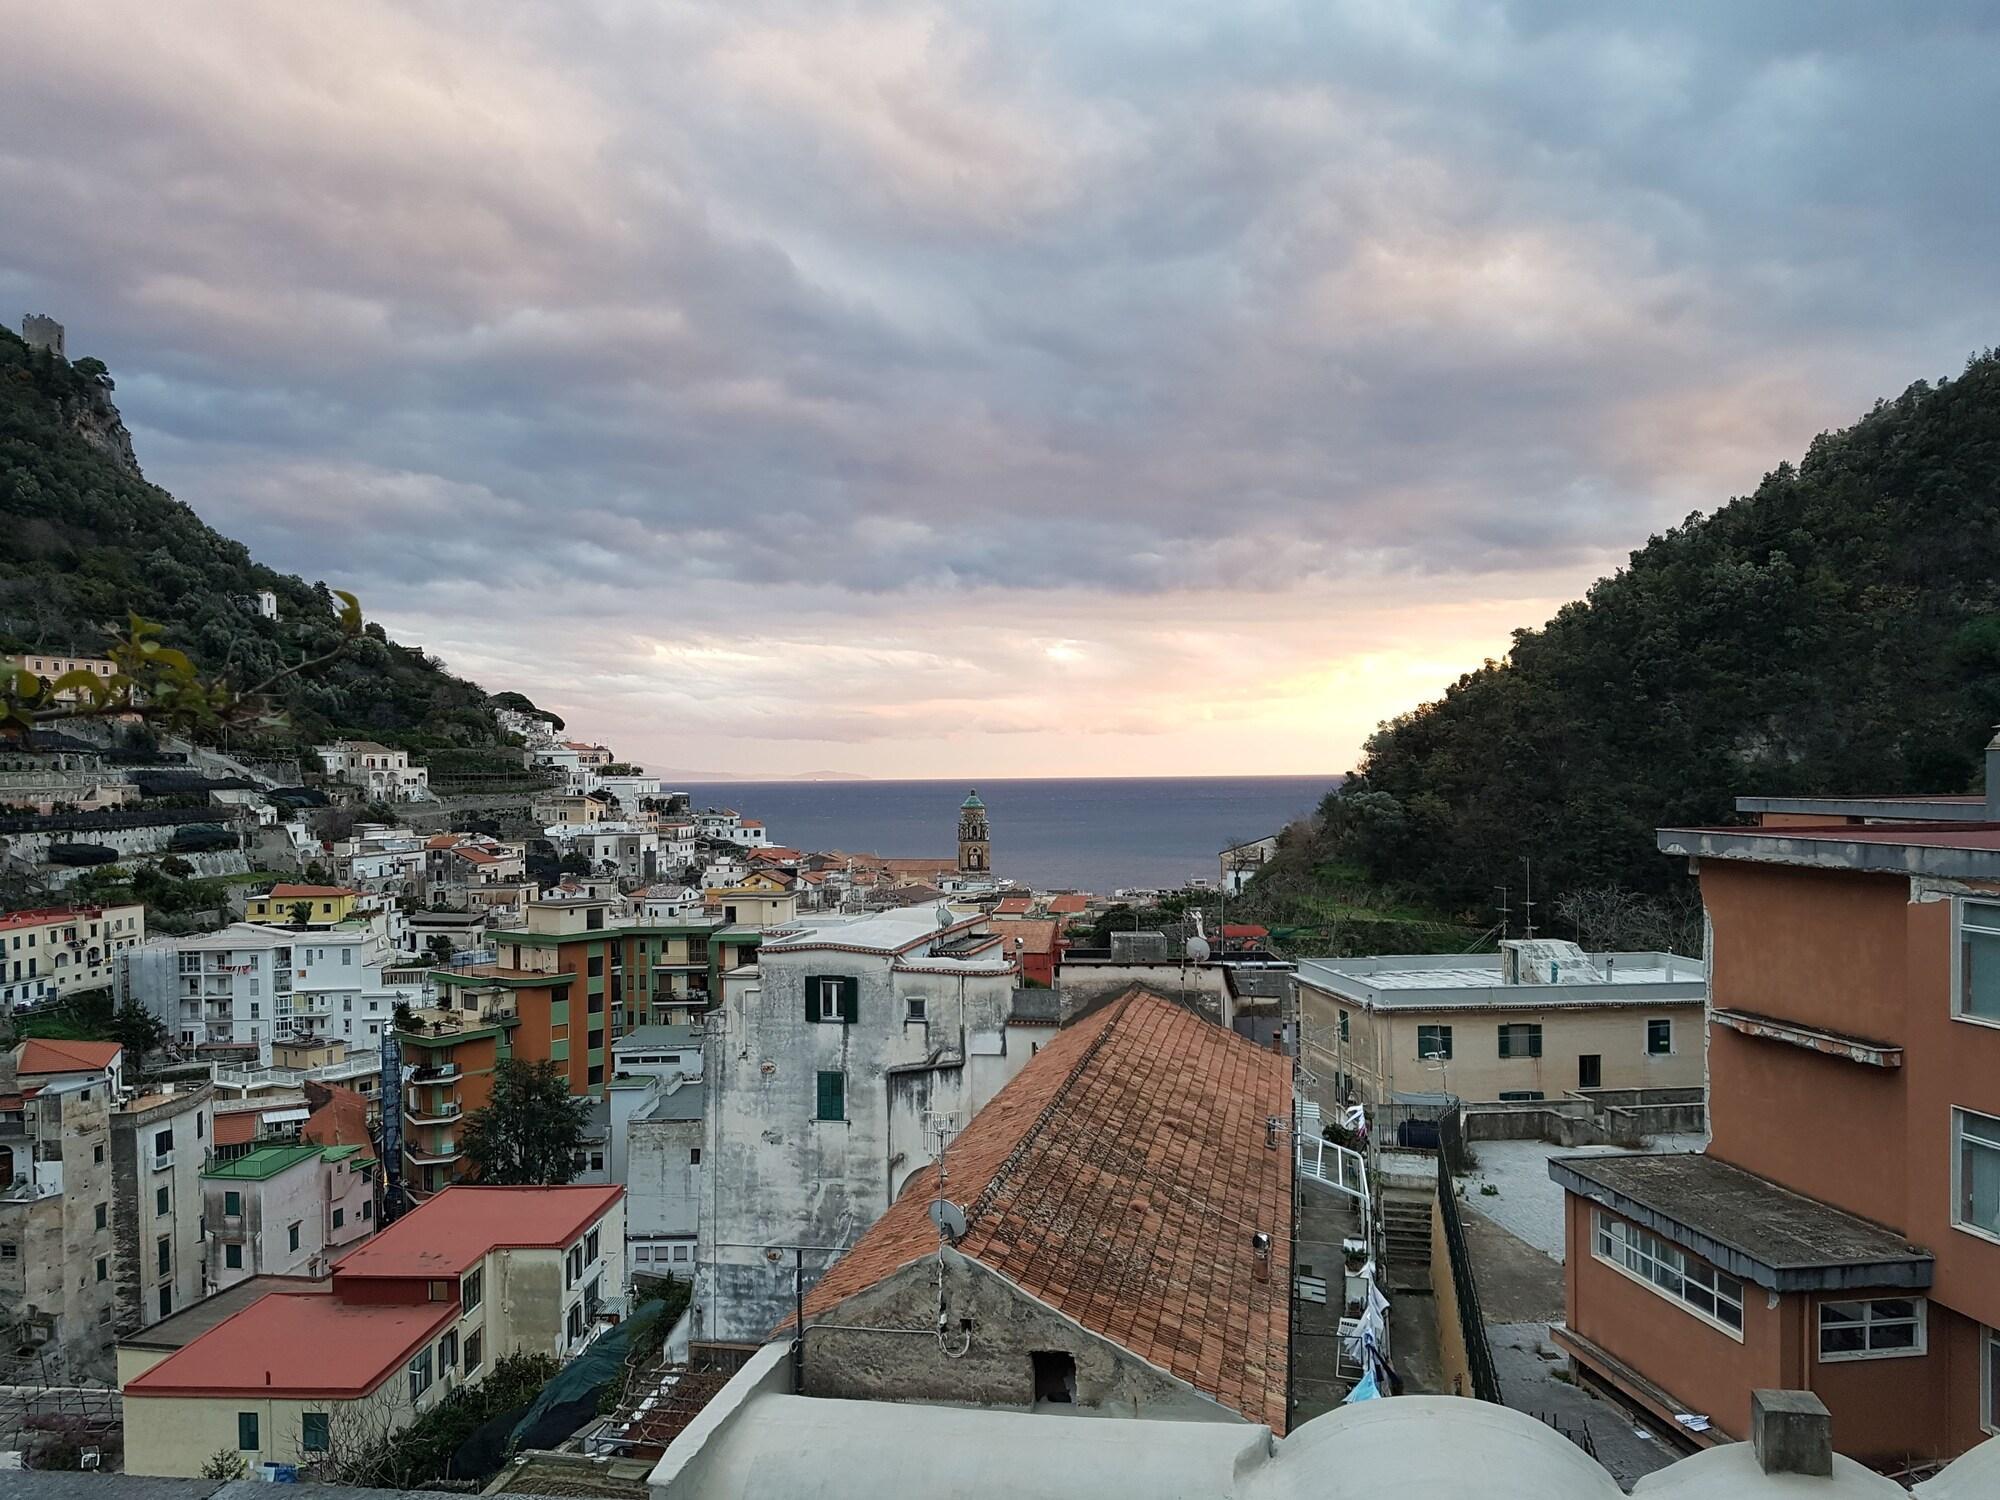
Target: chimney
point(1791, 1432)
point(1993, 777)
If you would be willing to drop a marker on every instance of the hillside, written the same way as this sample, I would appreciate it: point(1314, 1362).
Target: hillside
point(1837, 631)
point(89, 539)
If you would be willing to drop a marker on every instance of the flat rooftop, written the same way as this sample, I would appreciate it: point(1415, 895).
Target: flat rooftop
point(1950, 851)
point(180, 1329)
point(1456, 981)
point(1746, 1224)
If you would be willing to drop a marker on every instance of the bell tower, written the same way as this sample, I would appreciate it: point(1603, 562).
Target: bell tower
point(975, 847)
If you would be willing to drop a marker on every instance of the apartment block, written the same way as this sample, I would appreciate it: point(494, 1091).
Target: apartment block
point(286, 1210)
point(1841, 1233)
point(406, 1317)
point(158, 1144)
point(58, 1296)
point(51, 952)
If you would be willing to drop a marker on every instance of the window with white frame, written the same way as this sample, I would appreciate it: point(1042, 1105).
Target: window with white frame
point(1671, 1271)
point(829, 1000)
point(1879, 1328)
point(1989, 1405)
point(1976, 994)
point(1975, 1166)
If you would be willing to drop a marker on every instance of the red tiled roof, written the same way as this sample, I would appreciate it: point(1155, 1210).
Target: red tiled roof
point(450, 1232)
point(1014, 906)
point(42, 915)
point(441, 841)
point(341, 1121)
point(291, 1345)
point(238, 1128)
point(307, 892)
point(1244, 930)
point(1036, 934)
point(1069, 904)
point(46, 1055)
point(1119, 1178)
point(476, 855)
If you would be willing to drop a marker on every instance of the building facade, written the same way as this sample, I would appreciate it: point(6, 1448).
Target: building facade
point(1841, 1233)
point(382, 774)
point(1538, 1020)
point(158, 1143)
point(975, 837)
point(51, 952)
point(286, 1210)
point(57, 1291)
point(843, 1058)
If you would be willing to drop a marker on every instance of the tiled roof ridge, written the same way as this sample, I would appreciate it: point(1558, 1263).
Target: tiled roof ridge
point(1024, 1147)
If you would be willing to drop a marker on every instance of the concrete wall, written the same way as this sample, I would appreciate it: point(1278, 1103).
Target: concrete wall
point(996, 1369)
point(1086, 983)
point(169, 1435)
point(138, 1226)
point(1454, 1366)
point(776, 1175)
point(663, 1188)
point(59, 1243)
point(293, 1196)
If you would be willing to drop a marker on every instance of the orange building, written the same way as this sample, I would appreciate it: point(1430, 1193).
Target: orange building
point(1841, 1233)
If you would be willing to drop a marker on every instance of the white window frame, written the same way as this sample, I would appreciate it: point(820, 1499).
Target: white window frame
point(1959, 924)
point(829, 1000)
point(1989, 1137)
point(1643, 1240)
point(1867, 1321)
point(1989, 1381)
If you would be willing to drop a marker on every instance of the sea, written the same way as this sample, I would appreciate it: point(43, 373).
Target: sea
point(1098, 835)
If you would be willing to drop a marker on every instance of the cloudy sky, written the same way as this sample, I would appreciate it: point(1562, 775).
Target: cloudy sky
point(1018, 389)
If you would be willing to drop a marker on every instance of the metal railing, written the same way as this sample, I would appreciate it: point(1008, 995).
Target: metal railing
point(1471, 1320)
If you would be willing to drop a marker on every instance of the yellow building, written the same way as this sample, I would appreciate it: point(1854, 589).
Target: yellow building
point(1538, 1020)
point(760, 899)
point(310, 1369)
point(54, 950)
point(279, 906)
point(51, 668)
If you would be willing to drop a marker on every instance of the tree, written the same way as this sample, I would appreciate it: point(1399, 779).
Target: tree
point(531, 1130)
point(302, 913)
point(440, 946)
point(138, 1031)
point(223, 1464)
point(177, 867)
point(575, 864)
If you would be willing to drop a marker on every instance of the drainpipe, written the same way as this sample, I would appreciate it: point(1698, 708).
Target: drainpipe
point(1993, 777)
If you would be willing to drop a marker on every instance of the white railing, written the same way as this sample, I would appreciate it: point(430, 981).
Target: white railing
point(1333, 1164)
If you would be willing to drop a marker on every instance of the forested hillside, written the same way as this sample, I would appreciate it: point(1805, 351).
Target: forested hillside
point(1838, 631)
point(88, 539)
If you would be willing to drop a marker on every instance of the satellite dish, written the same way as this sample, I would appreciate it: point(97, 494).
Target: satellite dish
point(949, 1218)
point(943, 914)
point(1197, 950)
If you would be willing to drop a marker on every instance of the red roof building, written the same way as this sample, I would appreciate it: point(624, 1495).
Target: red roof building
point(1070, 904)
point(1122, 1190)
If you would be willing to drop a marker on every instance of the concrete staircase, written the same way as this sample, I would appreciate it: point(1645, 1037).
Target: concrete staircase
point(1406, 1236)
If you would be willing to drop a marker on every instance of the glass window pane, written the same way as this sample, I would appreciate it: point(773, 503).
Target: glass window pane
point(1893, 1336)
point(1840, 1340)
point(1893, 1307)
point(1979, 973)
point(1839, 1312)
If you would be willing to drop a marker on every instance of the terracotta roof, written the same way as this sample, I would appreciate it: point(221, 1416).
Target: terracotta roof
point(1014, 906)
point(41, 916)
point(1068, 904)
point(341, 1121)
point(1119, 1178)
point(441, 841)
point(1036, 934)
point(476, 855)
point(238, 1128)
point(46, 1055)
point(450, 1232)
point(306, 892)
point(292, 1345)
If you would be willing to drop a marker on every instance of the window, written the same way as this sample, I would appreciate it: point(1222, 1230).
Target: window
point(1055, 1376)
point(829, 1000)
point(470, 1288)
point(103, 1269)
point(162, 1201)
point(164, 1253)
point(1520, 1096)
point(474, 1344)
point(832, 998)
point(1521, 1040)
point(1976, 1172)
point(680, 1252)
point(9, 1250)
point(163, 1144)
point(1434, 1041)
point(103, 1215)
point(1878, 1329)
point(1344, 1032)
point(694, 1156)
point(420, 1372)
point(347, 957)
point(292, 1234)
point(574, 1327)
point(1989, 1407)
point(832, 1096)
point(448, 1352)
point(915, 1009)
point(339, 1217)
point(367, 1210)
point(97, 1154)
point(595, 968)
point(246, 1431)
point(1976, 995)
point(573, 1266)
point(166, 1301)
point(1590, 1070)
point(232, 1257)
point(1671, 1271)
point(1659, 1038)
point(232, 1204)
point(313, 1434)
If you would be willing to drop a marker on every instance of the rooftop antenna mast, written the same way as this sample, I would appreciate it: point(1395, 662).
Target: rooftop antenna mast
point(1504, 911)
point(1528, 897)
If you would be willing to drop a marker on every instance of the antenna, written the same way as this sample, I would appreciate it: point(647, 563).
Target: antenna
point(1528, 897)
point(1505, 910)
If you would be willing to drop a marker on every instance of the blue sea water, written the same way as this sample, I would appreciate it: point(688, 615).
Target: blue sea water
point(1094, 835)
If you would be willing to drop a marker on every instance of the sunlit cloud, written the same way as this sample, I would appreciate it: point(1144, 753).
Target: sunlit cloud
point(905, 388)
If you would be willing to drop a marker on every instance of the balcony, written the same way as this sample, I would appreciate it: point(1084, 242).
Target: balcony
point(434, 1073)
point(432, 1155)
point(419, 1113)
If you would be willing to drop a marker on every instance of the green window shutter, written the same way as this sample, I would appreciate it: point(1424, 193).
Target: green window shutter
point(832, 1096)
point(850, 1000)
point(1534, 1041)
point(812, 998)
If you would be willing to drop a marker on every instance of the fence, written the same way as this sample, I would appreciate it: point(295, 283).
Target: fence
point(1465, 1290)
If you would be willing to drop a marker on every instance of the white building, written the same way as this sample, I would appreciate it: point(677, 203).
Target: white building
point(666, 903)
point(630, 851)
point(249, 985)
point(653, 1144)
point(385, 775)
point(844, 1052)
point(285, 1211)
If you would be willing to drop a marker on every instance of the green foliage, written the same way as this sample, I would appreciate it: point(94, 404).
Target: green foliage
point(90, 542)
point(89, 1016)
point(1838, 631)
point(225, 1464)
point(420, 1454)
point(531, 1129)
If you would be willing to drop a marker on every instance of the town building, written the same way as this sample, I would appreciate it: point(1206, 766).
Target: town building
point(381, 774)
point(553, 809)
point(762, 898)
point(286, 905)
point(52, 668)
point(1155, 1282)
point(844, 1055)
point(1241, 862)
point(1089, 975)
point(40, 1061)
point(51, 952)
point(158, 1142)
point(427, 1305)
point(655, 1103)
point(975, 837)
point(1538, 1020)
point(286, 1210)
point(58, 1298)
point(250, 987)
point(1841, 1231)
point(1035, 943)
point(616, 849)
